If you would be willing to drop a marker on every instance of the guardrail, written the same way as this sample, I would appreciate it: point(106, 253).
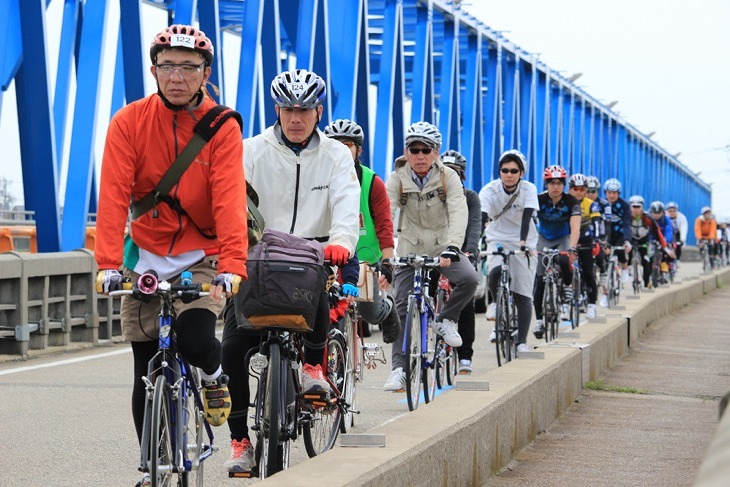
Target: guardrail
point(49, 299)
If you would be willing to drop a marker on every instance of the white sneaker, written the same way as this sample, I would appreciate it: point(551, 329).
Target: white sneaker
point(464, 367)
point(565, 312)
point(493, 336)
point(492, 312)
point(397, 380)
point(625, 275)
point(604, 301)
point(241, 459)
point(591, 311)
point(539, 329)
point(447, 330)
point(523, 347)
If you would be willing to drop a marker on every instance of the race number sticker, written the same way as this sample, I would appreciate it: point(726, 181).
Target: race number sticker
point(182, 40)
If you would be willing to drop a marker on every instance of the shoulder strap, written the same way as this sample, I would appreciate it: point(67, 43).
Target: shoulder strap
point(204, 130)
point(509, 202)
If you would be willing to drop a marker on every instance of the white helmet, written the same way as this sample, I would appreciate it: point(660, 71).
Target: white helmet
point(636, 200)
point(298, 89)
point(705, 209)
point(344, 129)
point(593, 183)
point(423, 132)
point(577, 180)
point(671, 205)
point(513, 156)
point(656, 207)
point(612, 184)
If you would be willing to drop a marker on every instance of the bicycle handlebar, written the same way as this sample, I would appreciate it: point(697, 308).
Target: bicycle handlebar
point(413, 260)
point(148, 285)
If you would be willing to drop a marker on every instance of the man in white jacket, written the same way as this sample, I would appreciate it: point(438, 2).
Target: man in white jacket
point(430, 214)
point(307, 186)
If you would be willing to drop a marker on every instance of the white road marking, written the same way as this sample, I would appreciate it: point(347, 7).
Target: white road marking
point(65, 361)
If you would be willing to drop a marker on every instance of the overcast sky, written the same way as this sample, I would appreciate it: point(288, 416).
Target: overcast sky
point(667, 63)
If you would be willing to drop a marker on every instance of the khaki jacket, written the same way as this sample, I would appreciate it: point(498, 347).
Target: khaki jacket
point(425, 224)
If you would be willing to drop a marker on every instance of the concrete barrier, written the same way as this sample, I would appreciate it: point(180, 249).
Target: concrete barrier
point(464, 437)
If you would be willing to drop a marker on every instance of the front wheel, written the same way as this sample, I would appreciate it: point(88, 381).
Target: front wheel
point(412, 347)
point(195, 435)
point(502, 328)
point(162, 457)
point(271, 427)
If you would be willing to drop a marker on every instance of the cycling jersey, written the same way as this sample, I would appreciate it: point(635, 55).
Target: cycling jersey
point(618, 223)
point(643, 228)
point(679, 226)
point(554, 219)
point(705, 229)
point(665, 225)
point(590, 213)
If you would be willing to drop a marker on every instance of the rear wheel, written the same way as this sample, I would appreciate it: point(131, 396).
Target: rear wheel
point(348, 387)
point(550, 312)
point(195, 435)
point(271, 428)
point(320, 432)
point(412, 346)
point(575, 303)
point(428, 364)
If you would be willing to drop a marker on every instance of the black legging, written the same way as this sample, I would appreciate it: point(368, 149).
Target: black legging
point(237, 343)
point(523, 304)
point(566, 274)
point(585, 258)
point(196, 341)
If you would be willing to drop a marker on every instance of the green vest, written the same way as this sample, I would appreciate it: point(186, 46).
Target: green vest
point(368, 246)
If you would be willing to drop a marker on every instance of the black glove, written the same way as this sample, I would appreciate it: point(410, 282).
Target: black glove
point(386, 269)
point(451, 253)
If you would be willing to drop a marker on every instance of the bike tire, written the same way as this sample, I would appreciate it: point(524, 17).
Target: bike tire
point(194, 434)
point(502, 328)
point(549, 312)
point(162, 457)
point(428, 363)
point(271, 427)
point(412, 347)
point(349, 385)
point(321, 430)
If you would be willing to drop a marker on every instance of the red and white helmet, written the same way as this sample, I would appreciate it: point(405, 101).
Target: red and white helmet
point(182, 36)
point(555, 172)
point(578, 180)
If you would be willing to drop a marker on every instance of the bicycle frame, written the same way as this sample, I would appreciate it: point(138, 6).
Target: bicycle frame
point(552, 298)
point(506, 319)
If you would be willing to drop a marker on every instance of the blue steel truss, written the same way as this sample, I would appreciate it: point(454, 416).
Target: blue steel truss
point(387, 63)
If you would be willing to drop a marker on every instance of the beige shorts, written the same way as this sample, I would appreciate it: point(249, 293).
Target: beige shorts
point(139, 320)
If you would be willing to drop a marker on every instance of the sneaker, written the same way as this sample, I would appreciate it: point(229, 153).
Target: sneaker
point(565, 312)
point(493, 336)
point(145, 482)
point(446, 329)
point(313, 379)
point(464, 367)
point(216, 400)
point(523, 347)
point(492, 312)
point(391, 323)
point(591, 311)
point(539, 329)
point(604, 301)
point(241, 459)
point(397, 380)
point(625, 275)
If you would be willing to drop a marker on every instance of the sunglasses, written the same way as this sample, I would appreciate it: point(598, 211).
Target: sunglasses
point(416, 150)
point(506, 170)
point(578, 188)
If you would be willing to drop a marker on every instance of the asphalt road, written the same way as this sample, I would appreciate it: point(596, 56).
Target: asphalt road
point(66, 415)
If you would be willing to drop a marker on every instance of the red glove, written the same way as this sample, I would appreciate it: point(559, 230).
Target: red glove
point(336, 254)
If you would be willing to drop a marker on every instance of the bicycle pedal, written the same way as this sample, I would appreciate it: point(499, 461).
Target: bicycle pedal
point(241, 475)
point(464, 372)
point(314, 397)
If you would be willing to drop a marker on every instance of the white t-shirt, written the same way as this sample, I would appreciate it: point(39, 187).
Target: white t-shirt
point(506, 231)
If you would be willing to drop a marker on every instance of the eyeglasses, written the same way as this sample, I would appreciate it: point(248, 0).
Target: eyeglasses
point(423, 150)
point(507, 170)
point(578, 188)
point(184, 69)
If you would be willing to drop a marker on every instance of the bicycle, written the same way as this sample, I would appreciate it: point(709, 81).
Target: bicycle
point(506, 318)
point(419, 339)
point(446, 361)
point(705, 255)
point(282, 410)
point(176, 437)
point(637, 269)
point(579, 295)
point(358, 354)
point(613, 277)
point(551, 299)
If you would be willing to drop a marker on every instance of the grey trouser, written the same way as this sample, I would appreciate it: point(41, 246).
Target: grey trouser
point(463, 279)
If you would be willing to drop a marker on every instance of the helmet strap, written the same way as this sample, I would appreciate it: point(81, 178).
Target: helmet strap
point(194, 101)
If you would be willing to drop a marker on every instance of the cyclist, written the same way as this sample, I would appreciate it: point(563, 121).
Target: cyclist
point(679, 228)
point(188, 230)
point(590, 232)
point(307, 186)
point(593, 184)
point(376, 231)
point(467, 319)
point(706, 231)
point(508, 204)
point(665, 224)
point(432, 220)
point(559, 218)
point(618, 226)
point(643, 228)
point(723, 236)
